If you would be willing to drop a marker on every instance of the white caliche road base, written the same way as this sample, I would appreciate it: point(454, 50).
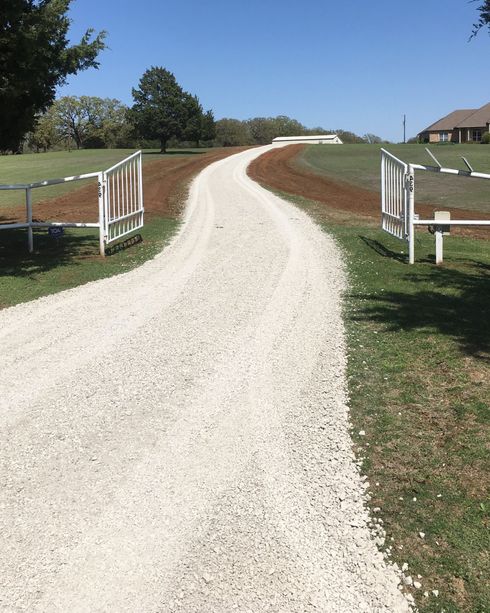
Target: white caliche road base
point(176, 438)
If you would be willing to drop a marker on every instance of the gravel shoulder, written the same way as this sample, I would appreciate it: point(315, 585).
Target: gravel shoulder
point(176, 438)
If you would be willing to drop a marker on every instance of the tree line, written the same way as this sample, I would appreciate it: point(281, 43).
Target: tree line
point(89, 122)
point(261, 131)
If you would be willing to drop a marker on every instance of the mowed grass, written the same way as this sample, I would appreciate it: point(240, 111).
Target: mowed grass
point(360, 165)
point(419, 385)
point(21, 169)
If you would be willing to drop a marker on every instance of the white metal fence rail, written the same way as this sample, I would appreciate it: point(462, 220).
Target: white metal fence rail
point(398, 200)
point(121, 205)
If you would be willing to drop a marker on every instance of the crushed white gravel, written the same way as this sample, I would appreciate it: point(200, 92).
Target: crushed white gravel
point(176, 438)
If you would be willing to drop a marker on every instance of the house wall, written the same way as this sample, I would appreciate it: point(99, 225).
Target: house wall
point(435, 137)
point(468, 132)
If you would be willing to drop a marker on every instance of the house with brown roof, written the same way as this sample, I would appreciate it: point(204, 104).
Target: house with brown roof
point(461, 126)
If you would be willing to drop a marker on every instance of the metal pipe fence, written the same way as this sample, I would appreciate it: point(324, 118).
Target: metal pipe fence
point(398, 201)
point(120, 196)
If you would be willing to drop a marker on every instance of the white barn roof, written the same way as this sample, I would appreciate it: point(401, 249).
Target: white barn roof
point(318, 139)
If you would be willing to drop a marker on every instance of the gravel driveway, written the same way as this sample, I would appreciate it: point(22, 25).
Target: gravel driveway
point(176, 438)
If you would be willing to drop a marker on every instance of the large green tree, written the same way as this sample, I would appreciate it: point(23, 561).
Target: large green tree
point(232, 132)
point(90, 121)
point(35, 57)
point(200, 126)
point(161, 107)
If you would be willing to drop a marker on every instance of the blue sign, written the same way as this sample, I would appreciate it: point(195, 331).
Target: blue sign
point(56, 232)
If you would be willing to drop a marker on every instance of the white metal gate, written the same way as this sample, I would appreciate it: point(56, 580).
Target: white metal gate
point(121, 206)
point(122, 194)
point(394, 195)
point(398, 201)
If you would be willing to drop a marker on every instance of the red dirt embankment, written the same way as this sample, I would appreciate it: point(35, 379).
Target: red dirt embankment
point(277, 169)
point(164, 184)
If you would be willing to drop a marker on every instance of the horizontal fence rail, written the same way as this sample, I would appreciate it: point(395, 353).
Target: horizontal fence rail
point(120, 195)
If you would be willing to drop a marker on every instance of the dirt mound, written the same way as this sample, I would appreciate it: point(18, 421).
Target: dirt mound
point(277, 169)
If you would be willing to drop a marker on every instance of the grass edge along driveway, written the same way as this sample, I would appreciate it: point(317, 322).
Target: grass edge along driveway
point(419, 372)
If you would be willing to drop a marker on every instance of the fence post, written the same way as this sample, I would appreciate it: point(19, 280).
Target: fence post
point(439, 244)
point(30, 234)
point(140, 183)
point(102, 224)
point(411, 214)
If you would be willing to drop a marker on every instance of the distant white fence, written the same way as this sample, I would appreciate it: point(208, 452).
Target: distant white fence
point(398, 215)
point(121, 204)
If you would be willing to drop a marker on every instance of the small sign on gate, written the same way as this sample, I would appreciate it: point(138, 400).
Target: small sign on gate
point(56, 231)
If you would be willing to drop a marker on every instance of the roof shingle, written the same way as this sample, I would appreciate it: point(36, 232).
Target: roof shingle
point(450, 121)
point(477, 119)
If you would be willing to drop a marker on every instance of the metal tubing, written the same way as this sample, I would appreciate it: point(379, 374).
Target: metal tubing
point(439, 245)
point(13, 226)
point(411, 215)
point(30, 234)
point(101, 194)
point(452, 171)
point(434, 158)
point(47, 182)
point(125, 161)
point(62, 224)
point(120, 195)
point(124, 218)
point(454, 222)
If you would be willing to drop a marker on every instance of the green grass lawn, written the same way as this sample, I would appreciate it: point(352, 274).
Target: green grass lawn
point(15, 169)
point(360, 165)
point(419, 386)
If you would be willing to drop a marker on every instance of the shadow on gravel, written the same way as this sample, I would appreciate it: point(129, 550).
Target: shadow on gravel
point(452, 302)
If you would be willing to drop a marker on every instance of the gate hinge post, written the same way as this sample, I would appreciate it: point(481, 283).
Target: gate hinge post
point(409, 181)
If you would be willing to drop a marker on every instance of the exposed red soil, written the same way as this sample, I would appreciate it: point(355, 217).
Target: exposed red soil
point(164, 184)
point(277, 169)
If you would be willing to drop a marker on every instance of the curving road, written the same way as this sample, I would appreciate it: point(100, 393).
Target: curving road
point(176, 438)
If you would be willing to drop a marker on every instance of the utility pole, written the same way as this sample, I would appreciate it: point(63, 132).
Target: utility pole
point(404, 129)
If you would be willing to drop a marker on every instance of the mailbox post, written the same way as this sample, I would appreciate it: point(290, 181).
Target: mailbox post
point(440, 231)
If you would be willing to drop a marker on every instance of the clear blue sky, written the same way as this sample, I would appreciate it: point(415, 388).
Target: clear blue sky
point(357, 65)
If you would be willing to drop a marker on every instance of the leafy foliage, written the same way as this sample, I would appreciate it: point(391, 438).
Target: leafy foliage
point(163, 110)
point(87, 121)
point(35, 58)
point(484, 18)
point(262, 130)
point(232, 133)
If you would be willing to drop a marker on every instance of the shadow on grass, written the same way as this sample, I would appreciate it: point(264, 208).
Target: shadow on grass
point(49, 253)
point(383, 250)
point(452, 302)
